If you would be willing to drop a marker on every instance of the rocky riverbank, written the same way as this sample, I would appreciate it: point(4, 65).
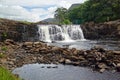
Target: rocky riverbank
point(13, 54)
point(17, 30)
point(107, 30)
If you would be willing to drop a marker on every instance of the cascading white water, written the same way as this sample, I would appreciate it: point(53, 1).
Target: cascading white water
point(75, 32)
point(65, 33)
point(67, 37)
point(55, 33)
point(44, 35)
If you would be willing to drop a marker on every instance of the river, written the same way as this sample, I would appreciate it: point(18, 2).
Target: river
point(62, 72)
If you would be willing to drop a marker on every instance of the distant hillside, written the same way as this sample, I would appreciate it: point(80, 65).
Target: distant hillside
point(50, 21)
point(53, 20)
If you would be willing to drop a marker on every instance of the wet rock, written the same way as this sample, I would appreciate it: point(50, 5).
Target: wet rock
point(34, 58)
point(116, 52)
point(43, 67)
point(38, 52)
point(67, 61)
point(118, 64)
point(81, 58)
point(49, 67)
point(62, 60)
point(81, 52)
point(55, 67)
point(102, 66)
point(66, 52)
point(114, 64)
point(66, 46)
point(101, 70)
point(3, 60)
point(98, 49)
point(98, 56)
point(73, 58)
point(55, 49)
point(36, 43)
point(40, 60)
point(101, 50)
point(77, 58)
point(9, 42)
point(84, 63)
point(75, 63)
point(13, 60)
point(11, 63)
point(28, 44)
point(118, 67)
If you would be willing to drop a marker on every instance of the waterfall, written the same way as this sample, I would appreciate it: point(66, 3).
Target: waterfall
point(44, 35)
point(76, 32)
point(67, 37)
point(65, 33)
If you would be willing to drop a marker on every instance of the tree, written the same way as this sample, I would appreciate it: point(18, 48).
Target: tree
point(61, 15)
point(96, 11)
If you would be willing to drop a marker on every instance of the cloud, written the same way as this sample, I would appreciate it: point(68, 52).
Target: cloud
point(32, 10)
point(39, 2)
point(17, 13)
point(33, 3)
point(44, 13)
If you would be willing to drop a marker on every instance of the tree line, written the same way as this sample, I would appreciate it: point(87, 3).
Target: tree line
point(91, 10)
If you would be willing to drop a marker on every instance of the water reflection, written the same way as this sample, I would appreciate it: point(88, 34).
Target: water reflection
point(61, 72)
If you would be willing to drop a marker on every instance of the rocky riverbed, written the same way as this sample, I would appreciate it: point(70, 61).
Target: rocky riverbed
point(14, 54)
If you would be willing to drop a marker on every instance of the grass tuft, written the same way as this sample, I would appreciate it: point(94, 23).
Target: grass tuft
point(4, 48)
point(6, 75)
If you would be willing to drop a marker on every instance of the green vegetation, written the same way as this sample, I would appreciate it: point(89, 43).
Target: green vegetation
point(6, 75)
point(91, 10)
point(25, 22)
point(61, 16)
point(66, 21)
point(4, 48)
point(4, 35)
point(2, 55)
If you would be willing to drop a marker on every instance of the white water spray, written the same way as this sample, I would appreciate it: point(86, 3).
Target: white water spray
point(65, 33)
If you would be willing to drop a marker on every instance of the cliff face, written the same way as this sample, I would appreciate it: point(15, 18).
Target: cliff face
point(106, 30)
point(20, 31)
point(16, 30)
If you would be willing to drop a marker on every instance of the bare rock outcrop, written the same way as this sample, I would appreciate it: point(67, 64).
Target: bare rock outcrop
point(106, 30)
point(16, 30)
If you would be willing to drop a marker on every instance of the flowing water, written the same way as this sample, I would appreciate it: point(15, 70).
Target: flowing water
point(66, 33)
point(88, 44)
point(61, 72)
point(72, 37)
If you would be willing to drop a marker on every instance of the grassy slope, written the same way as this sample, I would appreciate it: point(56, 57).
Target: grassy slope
point(6, 75)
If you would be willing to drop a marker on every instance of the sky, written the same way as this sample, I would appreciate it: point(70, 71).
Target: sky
point(32, 10)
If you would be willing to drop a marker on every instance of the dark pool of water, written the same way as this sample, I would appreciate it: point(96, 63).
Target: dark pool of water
point(88, 44)
point(44, 72)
